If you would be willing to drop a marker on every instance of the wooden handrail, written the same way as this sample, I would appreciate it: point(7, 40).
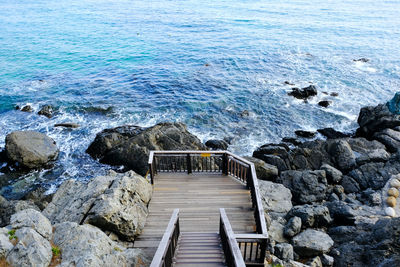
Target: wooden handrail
point(233, 256)
point(166, 249)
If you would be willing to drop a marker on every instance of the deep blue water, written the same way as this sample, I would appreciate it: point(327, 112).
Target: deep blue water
point(199, 62)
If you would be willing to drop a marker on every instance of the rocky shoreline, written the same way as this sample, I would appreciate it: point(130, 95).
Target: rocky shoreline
point(330, 202)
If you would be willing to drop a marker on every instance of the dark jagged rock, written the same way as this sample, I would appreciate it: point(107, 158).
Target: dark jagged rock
point(307, 186)
point(293, 227)
point(264, 170)
point(46, 110)
point(390, 138)
point(109, 138)
point(291, 140)
point(288, 83)
point(312, 243)
point(217, 144)
point(30, 149)
point(376, 119)
point(304, 93)
point(331, 133)
point(333, 175)
point(334, 94)
point(305, 134)
point(27, 108)
point(8, 208)
point(311, 215)
point(131, 149)
point(325, 103)
point(342, 155)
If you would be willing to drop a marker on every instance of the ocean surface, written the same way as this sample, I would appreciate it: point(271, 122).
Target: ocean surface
point(218, 66)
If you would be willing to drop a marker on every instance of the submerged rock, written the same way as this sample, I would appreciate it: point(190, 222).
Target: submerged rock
point(30, 149)
point(132, 150)
point(331, 133)
point(325, 103)
point(67, 125)
point(27, 108)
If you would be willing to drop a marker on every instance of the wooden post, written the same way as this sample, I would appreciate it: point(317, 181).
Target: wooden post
point(225, 164)
point(189, 163)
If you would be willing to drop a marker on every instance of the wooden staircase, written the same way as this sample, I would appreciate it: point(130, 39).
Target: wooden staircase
point(199, 249)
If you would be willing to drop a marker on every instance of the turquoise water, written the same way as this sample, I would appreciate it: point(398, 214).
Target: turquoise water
point(108, 63)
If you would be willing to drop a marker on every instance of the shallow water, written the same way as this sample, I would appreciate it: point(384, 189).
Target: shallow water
point(108, 63)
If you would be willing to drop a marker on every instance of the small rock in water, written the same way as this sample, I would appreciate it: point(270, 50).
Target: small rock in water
point(288, 83)
point(390, 212)
point(391, 201)
point(67, 125)
point(305, 134)
point(245, 113)
point(304, 93)
point(363, 59)
point(334, 94)
point(27, 108)
point(395, 183)
point(393, 192)
point(46, 110)
point(324, 103)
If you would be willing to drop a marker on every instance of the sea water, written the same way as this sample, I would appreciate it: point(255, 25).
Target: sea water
point(218, 66)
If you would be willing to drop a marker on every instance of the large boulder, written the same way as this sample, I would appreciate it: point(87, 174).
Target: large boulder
point(312, 243)
point(32, 219)
point(32, 249)
point(5, 243)
point(131, 150)
point(306, 186)
point(342, 155)
point(390, 138)
point(264, 170)
point(376, 119)
point(30, 149)
point(86, 245)
point(115, 202)
point(275, 197)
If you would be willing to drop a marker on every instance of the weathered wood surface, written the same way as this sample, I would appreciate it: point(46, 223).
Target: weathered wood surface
point(199, 198)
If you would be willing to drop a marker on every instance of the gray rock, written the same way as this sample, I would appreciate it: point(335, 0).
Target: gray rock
point(327, 260)
point(32, 219)
point(275, 161)
point(311, 215)
point(31, 250)
point(133, 153)
point(217, 144)
point(86, 245)
point(333, 175)
point(275, 197)
point(276, 230)
point(284, 251)
point(30, 149)
point(350, 185)
point(293, 227)
point(304, 93)
point(122, 208)
point(312, 243)
point(342, 155)
point(306, 186)
point(115, 202)
point(264, 170)
point(368, 151)
point(5, 244)
point(8, 208)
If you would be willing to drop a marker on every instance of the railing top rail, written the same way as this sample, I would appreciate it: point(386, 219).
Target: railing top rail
point(166, 239)
point(236, 253)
